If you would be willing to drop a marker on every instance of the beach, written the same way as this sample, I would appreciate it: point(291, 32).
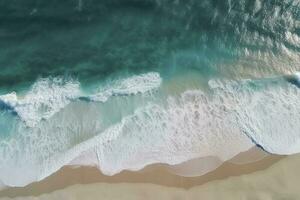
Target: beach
point(277, 182)
point(157, 175)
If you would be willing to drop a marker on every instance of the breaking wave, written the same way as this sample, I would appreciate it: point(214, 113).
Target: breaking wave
point(48, 96)
point(131, 132)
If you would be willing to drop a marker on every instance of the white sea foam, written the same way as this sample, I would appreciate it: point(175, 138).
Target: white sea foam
point(48, 96)
point(10, 100)
point(269, 114)
point(297, 76)
point(195, 124)
point(132, 85)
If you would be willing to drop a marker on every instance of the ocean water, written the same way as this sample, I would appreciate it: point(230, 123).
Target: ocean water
point(123, 84)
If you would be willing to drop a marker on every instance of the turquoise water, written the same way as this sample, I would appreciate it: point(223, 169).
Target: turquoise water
point(95, 39)
point(130, 83)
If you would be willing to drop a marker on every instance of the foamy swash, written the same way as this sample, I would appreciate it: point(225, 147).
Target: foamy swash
point(48, 96)
point(126, 125)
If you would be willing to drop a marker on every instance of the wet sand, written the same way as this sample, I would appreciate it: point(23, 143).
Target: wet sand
point(280, 181)
point(157, 174)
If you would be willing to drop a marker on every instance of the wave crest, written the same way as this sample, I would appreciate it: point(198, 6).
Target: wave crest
point(49, 95)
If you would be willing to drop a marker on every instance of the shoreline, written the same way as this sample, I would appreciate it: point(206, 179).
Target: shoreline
point(158, 174)
point(277, 182)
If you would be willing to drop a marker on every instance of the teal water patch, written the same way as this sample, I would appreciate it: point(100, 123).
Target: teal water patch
point(7, 124)
point(91, 40)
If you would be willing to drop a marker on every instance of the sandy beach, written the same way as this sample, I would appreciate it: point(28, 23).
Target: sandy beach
point(157, 174)
point(279, 181)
